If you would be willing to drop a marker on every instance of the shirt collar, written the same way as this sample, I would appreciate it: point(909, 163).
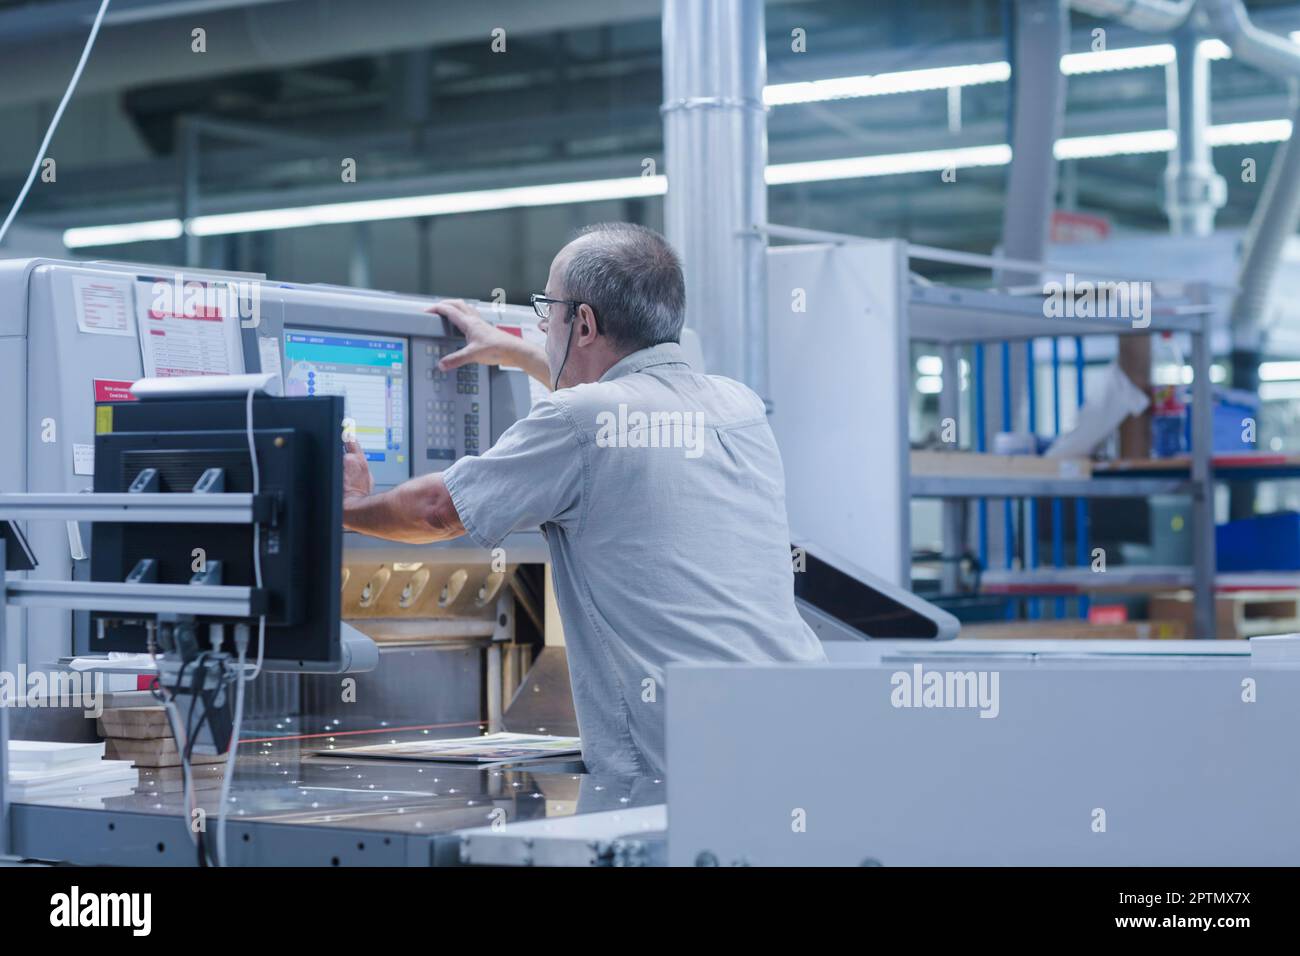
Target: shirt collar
point(665, 353)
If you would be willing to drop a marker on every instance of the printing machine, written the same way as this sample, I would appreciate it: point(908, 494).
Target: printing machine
point(441, 616)
point(1113, 752)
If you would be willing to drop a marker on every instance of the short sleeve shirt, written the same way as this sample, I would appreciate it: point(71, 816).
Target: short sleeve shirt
point(662, 497)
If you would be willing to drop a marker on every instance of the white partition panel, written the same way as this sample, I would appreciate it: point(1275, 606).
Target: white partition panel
point(839, 380)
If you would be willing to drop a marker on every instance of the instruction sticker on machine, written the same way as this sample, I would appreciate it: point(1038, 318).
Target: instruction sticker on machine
point(83, 459)
point(103, 305)
point(188, 327)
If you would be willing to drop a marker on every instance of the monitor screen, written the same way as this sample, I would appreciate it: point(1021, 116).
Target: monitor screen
point(370, 372)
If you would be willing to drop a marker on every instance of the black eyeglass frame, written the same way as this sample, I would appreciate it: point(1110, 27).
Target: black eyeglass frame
point(537, 299)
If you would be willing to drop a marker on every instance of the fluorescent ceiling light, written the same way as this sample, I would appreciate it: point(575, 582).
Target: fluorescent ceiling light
point(1116, 144)
point(437, 204)
point(888, 164)
point(122, 233)
point(930, 365)
point(880, 84)
point(852, 167)
point(1127, 58)
point(1279, 371)
point(974, 74)
point(1246, 134)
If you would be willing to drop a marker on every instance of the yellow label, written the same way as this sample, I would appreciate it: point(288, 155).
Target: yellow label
point(103, 419)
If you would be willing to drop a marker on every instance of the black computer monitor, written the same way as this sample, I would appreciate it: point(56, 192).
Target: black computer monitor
point(299, 455)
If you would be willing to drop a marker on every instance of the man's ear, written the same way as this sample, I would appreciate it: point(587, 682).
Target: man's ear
point(588, 326)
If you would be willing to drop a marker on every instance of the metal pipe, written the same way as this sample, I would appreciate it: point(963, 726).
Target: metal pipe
point(1249, 44)
point(715, 152)
point(1203, 541)
point(1194, 192)
point(1278, 211)
point(1080, 504)
point(1041, 37)
point(1034, 608)
point(1156, 15)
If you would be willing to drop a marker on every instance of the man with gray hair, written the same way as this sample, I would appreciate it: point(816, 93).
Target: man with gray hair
point(660, 491)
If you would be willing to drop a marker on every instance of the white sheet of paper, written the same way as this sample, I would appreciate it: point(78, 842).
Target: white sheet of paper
point(182, 336)
point(103, 305)
point(83, 459)
point(268, 350)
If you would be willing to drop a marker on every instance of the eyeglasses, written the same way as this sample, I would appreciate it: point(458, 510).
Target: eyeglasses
point(542, 304)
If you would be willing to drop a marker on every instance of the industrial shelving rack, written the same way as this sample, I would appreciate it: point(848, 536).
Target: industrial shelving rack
point(952, 317)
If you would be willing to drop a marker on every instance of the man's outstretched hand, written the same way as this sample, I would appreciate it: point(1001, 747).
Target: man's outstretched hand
point(357, 480)
point(486, 344)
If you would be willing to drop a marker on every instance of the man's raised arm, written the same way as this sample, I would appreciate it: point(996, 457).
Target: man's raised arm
point(415, 512)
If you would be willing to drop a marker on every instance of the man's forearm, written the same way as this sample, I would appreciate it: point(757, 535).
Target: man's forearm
point(416, 512)
point(531, 357)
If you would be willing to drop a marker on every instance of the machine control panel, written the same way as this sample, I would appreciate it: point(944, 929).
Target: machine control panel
point(451, 410)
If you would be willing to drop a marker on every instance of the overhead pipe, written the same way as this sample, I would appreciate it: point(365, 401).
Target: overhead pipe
point(1194, 191)
point(1277, 213)
point(1039, 36)
point(715, 152)
point(1157, 16)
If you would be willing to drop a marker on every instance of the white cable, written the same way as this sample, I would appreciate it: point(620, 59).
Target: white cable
point(228, 777)
point(257, 537)
point(174, 721)
point(241, 647)
point(54, 122)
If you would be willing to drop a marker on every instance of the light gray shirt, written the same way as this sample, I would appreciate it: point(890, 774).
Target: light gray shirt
point(662, 498)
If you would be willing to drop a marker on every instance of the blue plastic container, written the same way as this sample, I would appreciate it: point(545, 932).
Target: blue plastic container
point(1263, 543)
point(1231, 406)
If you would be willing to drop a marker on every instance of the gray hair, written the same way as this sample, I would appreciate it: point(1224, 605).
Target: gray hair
point(632, 279)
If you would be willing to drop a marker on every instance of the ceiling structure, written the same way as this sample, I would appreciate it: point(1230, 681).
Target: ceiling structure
point(413, 92)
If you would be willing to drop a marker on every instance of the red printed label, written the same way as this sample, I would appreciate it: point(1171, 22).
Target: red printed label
point(113, 390)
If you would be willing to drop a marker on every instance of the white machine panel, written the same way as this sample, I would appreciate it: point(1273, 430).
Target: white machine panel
point(839, 381)
point(1170, 761)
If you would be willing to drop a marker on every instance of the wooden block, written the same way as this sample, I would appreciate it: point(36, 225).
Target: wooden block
point(1238, 614)
point(972, 464)
point(140, 723)
point(1168, 630)
point(160, 752)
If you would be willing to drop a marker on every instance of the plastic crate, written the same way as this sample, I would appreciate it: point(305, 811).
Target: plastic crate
point(1263, 543)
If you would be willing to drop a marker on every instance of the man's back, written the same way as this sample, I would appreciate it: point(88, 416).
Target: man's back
point(662, 496)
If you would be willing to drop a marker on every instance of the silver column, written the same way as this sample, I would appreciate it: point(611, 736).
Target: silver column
point(715, 151)
point(1194, 192)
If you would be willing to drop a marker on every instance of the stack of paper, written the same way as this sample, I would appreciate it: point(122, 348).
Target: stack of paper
point(42, 767)
point(488, 749)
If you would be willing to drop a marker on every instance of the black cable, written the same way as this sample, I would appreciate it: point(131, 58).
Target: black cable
point(567, 345)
